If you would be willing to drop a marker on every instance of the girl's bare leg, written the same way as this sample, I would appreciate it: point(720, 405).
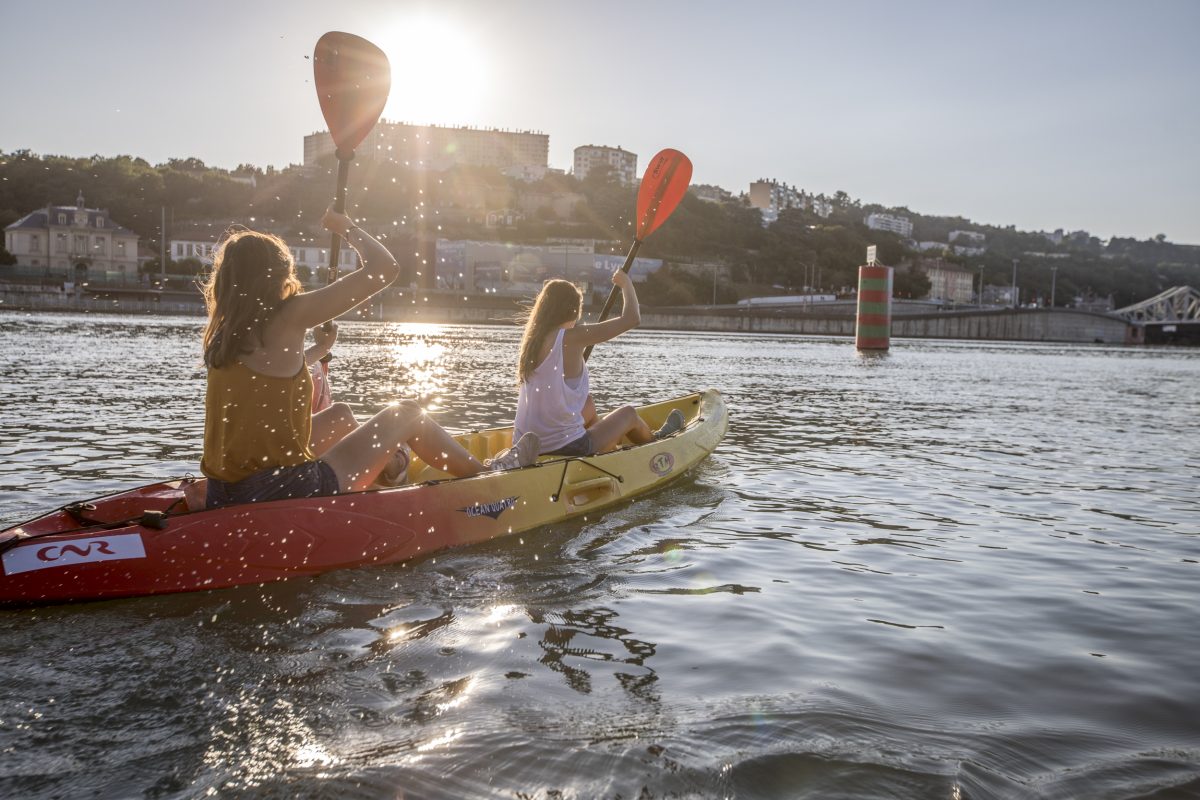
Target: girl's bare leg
point(440, 450)
point(607, 433)
point(331, 426)
point(363, 453)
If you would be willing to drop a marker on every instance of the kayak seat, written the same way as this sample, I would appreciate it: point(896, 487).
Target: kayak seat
point(195, 494)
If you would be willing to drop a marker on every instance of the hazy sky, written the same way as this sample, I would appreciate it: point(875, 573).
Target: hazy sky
point(1040, 115)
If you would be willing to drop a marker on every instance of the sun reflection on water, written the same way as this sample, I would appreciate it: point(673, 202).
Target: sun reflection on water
point(311, 754)
point(439, 741)
point(418, 362)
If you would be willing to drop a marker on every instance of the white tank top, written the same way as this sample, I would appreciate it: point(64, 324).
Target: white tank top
point(549, 406)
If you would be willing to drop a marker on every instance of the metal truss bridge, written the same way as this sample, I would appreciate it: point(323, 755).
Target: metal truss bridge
point(1172, 316)
point(1180, 305)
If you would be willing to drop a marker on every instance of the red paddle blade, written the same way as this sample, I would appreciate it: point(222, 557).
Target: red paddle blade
point(663, 186)
point(353, 78)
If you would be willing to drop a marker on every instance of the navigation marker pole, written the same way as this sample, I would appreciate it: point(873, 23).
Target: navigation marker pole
point(873, 323)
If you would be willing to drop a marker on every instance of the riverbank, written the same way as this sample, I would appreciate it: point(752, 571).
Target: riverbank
point(910, 319)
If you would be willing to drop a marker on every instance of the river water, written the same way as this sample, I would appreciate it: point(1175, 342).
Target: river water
point(959, 570)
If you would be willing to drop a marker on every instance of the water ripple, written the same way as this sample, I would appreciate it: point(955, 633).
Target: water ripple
point(961, 570)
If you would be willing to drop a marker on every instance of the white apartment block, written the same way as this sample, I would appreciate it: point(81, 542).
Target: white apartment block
point(439, 148)
point(1056, 237)
point(772, 196)
point(623, 162)
point(889, 222)
point(949, 283)
point(72, 243)
point(970, 238)
point(968, 243)
point(311, 256)
point(711, 193)
point(530, 173)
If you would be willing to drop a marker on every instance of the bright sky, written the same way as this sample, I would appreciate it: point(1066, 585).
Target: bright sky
point(1040, 115)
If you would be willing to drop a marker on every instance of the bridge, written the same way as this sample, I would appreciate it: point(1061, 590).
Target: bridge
point(1171, 316)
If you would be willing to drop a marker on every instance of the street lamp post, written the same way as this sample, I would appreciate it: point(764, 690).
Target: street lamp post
point(1053, 275)
point(162, 247)
point(1014, 283)
point(981, 285)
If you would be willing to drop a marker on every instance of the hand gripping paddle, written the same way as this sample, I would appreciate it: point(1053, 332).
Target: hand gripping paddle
point(663, 186)
point(353, 78)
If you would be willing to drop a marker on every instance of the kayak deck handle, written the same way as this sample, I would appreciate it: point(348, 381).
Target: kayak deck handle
point(582, 493)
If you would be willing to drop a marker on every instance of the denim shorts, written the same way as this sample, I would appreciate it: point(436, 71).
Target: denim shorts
point(310, 479)
point(580, 447)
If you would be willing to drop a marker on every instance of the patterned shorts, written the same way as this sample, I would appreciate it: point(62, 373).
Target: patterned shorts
point(310, 479)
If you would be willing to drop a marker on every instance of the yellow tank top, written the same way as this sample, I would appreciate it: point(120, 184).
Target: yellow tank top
point(254, 421)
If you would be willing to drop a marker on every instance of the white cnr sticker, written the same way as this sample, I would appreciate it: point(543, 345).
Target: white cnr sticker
point(44, 555)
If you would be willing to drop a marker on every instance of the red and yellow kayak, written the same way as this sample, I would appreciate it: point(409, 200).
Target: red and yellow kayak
point(146, 541)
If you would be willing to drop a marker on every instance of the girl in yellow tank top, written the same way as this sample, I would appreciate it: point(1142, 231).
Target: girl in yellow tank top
point(261, 439)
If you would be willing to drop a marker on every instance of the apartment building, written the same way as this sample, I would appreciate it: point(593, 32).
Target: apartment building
point(439, 148)
point(889, 222)
point(623, 162)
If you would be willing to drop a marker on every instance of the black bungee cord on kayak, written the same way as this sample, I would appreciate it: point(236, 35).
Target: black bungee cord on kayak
point(563, 478)
point(147, 519)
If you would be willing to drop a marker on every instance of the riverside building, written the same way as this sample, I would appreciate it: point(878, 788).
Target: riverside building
point(71, 243)
point(309, 258)
point(949, 283)
point(439, 148)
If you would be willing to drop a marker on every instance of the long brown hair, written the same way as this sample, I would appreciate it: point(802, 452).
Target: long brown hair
point(558, 302)
point(252, 274)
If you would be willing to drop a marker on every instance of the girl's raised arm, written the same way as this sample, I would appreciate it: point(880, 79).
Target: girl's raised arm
point(377, 270)
point(582, 336)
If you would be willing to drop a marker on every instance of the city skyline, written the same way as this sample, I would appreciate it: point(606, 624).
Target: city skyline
point(1077, 116)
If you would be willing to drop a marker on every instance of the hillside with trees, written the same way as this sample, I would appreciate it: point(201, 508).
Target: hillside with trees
point(799, 251)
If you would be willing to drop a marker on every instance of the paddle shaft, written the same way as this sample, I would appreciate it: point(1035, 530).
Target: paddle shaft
point(339, 205)
point(612, 296)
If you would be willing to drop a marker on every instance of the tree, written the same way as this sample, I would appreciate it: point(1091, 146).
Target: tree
point(912, 282)
point(185, 266)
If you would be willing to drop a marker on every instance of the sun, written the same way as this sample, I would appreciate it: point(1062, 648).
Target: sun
point(439, 71)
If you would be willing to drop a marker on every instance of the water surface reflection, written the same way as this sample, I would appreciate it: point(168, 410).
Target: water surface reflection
point(961, 570)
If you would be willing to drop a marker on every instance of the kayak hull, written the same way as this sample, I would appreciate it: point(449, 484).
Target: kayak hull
point(145, 541)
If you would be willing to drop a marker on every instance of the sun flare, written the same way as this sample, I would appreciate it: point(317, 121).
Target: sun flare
point(439, 71)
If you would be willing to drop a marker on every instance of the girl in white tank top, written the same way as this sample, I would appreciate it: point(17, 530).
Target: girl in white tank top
point(554, 400)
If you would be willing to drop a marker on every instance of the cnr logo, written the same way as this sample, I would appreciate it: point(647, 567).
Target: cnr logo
point(54, 552)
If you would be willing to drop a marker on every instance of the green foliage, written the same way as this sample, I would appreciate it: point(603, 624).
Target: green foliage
point(674, 286)
point(408, 206)
point(185, 266)
point(910, 283)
